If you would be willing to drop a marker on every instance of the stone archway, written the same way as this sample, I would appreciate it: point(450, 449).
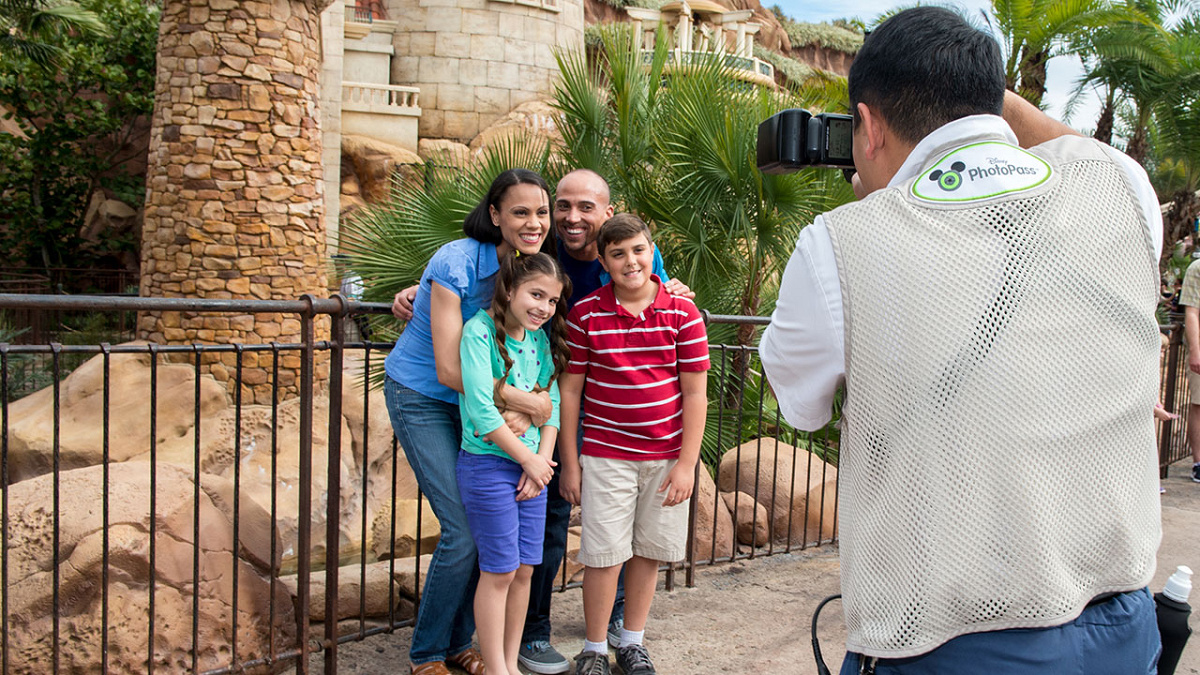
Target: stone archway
point(234, 203)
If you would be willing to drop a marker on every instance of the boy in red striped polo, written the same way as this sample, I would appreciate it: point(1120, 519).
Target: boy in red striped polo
point(643, 354)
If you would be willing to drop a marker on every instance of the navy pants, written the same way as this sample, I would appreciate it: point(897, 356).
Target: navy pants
point(1116, 637)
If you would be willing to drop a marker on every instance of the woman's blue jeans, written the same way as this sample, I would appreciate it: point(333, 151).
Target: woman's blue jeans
point(430, 431)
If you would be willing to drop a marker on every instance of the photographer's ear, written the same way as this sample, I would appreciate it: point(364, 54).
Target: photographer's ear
point(869, 132)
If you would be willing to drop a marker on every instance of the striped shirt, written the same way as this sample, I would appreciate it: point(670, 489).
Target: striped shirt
point(632, 399)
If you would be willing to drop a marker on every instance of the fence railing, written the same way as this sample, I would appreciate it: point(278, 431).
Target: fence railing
point(1175, 397)
point(153, 521)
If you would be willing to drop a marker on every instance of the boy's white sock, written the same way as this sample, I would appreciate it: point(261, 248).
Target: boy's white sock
point(598, 647)
point(631, 637)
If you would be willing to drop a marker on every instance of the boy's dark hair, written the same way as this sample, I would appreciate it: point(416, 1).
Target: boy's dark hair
point(478, 224)
point(619, 228)
point(925, 67)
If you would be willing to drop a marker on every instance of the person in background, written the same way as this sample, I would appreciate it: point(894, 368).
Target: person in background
point(998, 461)
point(1189, 299)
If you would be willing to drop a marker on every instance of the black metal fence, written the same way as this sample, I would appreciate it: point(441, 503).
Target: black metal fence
point(152, 522)
point(1176, 398)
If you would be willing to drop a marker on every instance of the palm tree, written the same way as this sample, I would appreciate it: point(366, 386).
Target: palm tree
point(1032, 32)
point(1178, 115)
point(678, 146)
point(1122, 59)
point(32, 29)
point(683, 157)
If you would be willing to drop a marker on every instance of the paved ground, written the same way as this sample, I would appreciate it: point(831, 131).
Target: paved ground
point(754, 616)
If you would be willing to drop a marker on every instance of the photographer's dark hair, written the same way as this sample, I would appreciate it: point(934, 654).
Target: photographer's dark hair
point(515, 270)
point(621, 227)
point(925, 67)
point(478, 224)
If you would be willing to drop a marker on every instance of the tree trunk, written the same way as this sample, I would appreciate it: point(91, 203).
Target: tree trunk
point(1033, 76)
point(1138, 145)
point(1104, 125)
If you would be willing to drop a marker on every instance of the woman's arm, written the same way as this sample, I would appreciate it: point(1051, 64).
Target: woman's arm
point(445, 319)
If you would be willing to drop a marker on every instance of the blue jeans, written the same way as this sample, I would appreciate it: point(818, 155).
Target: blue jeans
point(541, 586)
point(1116, 637)
point(430, 431)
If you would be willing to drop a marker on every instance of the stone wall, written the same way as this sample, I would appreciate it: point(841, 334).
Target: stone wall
point(475, 60)
point(234, 199)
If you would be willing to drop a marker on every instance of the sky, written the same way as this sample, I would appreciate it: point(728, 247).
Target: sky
point(1061, 75)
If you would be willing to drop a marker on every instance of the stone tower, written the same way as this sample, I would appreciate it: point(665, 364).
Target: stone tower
point(475, 60)
point(234, 187)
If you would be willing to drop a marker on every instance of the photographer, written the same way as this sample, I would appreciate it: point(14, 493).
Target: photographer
point(998, 466)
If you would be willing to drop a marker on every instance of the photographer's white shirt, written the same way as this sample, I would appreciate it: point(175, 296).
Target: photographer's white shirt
point(803, 350)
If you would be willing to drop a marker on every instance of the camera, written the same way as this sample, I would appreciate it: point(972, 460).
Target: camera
point(795, 138)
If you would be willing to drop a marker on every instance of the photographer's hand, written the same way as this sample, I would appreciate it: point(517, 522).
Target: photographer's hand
point(859, 190)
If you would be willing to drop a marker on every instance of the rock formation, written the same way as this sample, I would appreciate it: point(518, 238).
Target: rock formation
point(230, 452)
point(750, 518)
point(32, 574)
point(796, 488)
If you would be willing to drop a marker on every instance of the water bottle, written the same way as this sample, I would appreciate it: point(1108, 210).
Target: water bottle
point(1173, 611)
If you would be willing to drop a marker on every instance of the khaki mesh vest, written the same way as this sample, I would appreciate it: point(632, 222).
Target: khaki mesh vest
point(998, 463)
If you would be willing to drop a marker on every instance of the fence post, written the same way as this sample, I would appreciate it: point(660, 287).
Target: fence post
point(304, 512)
point(334, 487)
point(1174, 346)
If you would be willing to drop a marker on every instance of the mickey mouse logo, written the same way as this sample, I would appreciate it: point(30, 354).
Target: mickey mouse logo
point(949, 180)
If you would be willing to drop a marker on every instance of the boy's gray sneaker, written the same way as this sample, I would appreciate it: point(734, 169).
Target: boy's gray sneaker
point(635, 660)
point(592, 663)
point(539, 657)
point(614, 631)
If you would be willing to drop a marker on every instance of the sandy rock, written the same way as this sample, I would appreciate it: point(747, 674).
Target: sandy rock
point(714, 523)
point(235, 447)
point(362, 591)
point(444, 152)
point(80, 548)
point(348, 204)
point(107, 218)
point(374, 162)
point(538, 119)
point(573, 566)
point(829, 60)
point(81, 433)
point(784, 475)
point(750, 517)
point(405, 542)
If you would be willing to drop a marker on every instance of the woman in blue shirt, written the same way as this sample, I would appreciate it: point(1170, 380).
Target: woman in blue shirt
point(424, 378)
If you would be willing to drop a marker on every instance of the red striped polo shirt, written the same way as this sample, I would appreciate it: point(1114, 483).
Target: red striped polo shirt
point(632, 399)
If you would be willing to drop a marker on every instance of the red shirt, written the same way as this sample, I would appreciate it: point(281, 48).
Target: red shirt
point(632, 399)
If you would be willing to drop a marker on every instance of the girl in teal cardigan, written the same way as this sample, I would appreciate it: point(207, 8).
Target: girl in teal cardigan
point(502, 475)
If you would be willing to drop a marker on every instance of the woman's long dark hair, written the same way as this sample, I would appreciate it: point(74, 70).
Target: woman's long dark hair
point(515, 270)
point(478, 223)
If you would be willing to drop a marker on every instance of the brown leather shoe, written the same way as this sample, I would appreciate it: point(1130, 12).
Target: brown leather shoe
point(430, 668)
point(469, 660)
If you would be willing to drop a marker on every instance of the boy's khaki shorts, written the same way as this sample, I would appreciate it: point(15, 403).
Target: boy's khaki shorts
point(623, 515)
point(1193, 386)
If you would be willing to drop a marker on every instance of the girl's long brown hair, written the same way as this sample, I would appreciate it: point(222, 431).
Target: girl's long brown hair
point(515, 270)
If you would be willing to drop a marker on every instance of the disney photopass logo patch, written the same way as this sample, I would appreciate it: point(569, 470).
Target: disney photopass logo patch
point(981, 171)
